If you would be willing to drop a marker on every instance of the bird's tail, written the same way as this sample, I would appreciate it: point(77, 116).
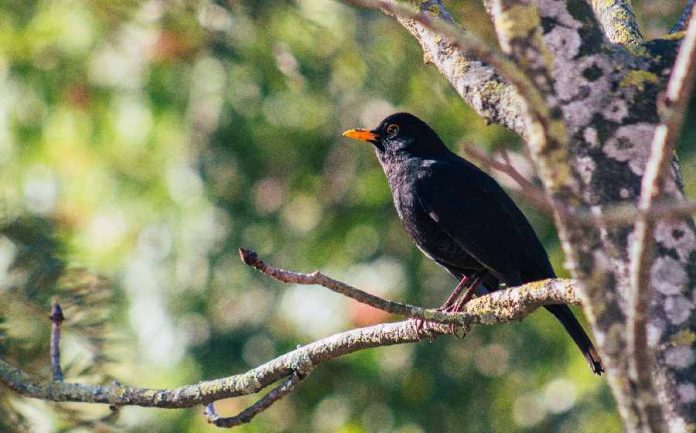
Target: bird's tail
point(571, 324)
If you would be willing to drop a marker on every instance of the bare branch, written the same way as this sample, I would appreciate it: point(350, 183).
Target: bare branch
point(251, 259)
point(206, 392)
point(627, 213)
point(497, 307)
point(672, 116)
point(245, 416)
point(618, 20)
point(56, 319)
point(469, 316)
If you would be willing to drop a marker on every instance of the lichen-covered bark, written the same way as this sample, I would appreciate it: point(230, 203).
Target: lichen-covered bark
point(618, 20)
point(518, 25)
point(498, 307)
point(606, 97)
point(477, 83)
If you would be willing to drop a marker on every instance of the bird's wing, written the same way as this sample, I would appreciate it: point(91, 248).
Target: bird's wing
point(477, 214)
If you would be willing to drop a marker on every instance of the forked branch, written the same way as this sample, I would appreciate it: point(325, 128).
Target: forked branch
point(245, 416)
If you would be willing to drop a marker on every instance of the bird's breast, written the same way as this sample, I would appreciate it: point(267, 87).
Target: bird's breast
point(424, 229)
point(427, 233)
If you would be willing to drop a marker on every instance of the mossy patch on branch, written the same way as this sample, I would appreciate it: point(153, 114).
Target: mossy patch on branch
point(684, 337)
point(518, 21)
point(638, 79)
point(618, 20)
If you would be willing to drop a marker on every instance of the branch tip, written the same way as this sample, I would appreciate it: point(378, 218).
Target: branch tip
point(56, 313)
point(249, 257)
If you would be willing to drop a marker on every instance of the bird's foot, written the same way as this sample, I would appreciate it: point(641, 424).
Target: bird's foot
point(454, 304)
point(419, 328)
point(426, 329)
point(455, 307)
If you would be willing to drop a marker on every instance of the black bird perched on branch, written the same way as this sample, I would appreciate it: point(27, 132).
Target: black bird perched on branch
point(462, 219)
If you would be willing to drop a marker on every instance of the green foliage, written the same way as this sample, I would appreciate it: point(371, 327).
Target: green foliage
point(147, 141)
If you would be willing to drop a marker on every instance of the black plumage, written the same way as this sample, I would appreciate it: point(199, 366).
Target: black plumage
point(461, 218)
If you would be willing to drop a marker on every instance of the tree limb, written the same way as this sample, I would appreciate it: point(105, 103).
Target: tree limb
point(518, 25)
point(497, 307)
point(471, 66)
point(618, 20)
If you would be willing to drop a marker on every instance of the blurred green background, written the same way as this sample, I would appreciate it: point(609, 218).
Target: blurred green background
point(143, 142)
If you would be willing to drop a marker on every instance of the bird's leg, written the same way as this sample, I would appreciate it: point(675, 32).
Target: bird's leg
point(452, 302)
point(458, 306)
point(455, 294)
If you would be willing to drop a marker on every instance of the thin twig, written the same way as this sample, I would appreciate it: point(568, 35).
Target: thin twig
point(627, 213)
point(56, 319)
point(464, 318)
point(684, 18)
point(672, 116)
point(250, 258)
point(245, 416)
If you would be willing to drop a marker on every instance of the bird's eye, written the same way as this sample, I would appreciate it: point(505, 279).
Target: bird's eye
point(392, 129)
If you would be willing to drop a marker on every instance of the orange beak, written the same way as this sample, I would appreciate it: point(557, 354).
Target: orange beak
point(361, 134)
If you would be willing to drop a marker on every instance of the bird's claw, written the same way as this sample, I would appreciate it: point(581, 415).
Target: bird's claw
point(422, 328)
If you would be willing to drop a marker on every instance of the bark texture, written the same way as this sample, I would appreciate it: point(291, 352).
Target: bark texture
point(603, 83)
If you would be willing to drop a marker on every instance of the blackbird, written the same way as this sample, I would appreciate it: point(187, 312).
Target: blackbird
point(462, 219)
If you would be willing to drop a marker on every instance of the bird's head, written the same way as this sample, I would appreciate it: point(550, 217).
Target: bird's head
point(401, 134)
